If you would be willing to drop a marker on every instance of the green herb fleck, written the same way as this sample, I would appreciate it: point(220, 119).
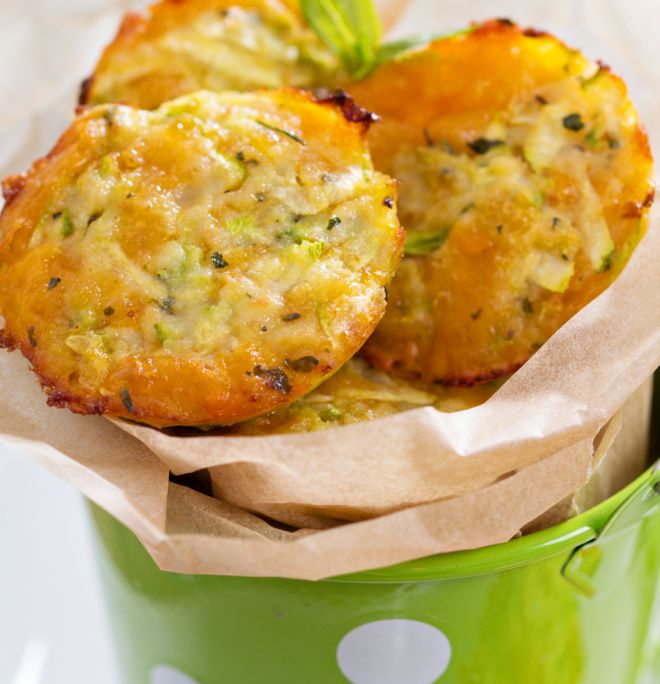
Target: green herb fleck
point(31, 338)
point(449, 149)
point(333, 222)
point(538, 199)
point(67, 223)
point(127, 400)
point(181, 108)
point(323, 317)
point(427, 138)
point(419, 244)
point(239, 225)
point(484, 145)
point(107, 166)
point(240, 156)
point(94, 217)
point(109, 115)
point(160, 333)
point(573, 122)
point(606, 263)
point(106, 344)
point(291, 317)
point(331, 414)
point(288, 134)
point(305, 364)
point(591, 138)
point(316, 249)
point(218, 261)
point(167, 304)
point(295, 234)
point(54, 282)
point(275, 378)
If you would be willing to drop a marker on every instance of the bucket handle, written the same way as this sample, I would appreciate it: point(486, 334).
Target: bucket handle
point(582, 565)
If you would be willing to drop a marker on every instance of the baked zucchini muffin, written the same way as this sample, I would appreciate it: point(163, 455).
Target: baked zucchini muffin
point(198, 264)
point(358, 393)
point(176, 47)
point(526, 181)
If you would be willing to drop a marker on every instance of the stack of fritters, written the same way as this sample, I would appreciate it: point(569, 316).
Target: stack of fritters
point(210, 259)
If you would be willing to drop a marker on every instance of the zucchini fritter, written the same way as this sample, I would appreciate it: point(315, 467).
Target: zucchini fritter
point(526, 181)
point(357, 393)
point(175, 48)
point(199, 264)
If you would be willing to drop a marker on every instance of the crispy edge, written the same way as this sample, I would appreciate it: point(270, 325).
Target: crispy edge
point(352, 112)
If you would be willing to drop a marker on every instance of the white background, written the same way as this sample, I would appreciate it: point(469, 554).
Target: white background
point(52, 621)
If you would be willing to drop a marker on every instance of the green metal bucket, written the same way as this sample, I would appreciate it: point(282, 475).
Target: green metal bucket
point(578, 603)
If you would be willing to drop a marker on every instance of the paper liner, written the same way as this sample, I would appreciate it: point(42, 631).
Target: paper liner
point(494, 514)
point(622, 454)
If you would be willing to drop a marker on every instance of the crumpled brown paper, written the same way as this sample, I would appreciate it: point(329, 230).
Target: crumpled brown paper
point(621, 454)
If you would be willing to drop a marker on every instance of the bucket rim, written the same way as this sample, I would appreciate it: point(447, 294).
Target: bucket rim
point(525, 550)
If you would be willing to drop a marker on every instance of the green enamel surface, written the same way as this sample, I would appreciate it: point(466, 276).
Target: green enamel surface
point(516, 626)
point(522, 620)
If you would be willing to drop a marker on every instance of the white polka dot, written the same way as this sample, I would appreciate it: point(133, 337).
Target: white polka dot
point(164, 674)
point(394, 652)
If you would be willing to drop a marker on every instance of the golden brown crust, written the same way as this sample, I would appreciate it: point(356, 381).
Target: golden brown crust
point(554, 172)
point(200, 264)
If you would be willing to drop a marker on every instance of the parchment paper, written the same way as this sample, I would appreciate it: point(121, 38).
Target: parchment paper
point(622, 453)
point(365, 495)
